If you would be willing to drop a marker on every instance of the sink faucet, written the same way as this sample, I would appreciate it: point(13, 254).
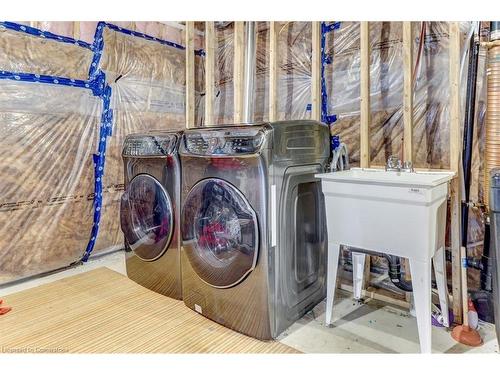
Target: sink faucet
point(395, 164)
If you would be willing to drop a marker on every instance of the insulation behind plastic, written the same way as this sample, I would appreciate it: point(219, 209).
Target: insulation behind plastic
point(27, 53)
point(148, 93)
point(431, 101)
point(224, 53)
point(49, 134)
point(294, 74)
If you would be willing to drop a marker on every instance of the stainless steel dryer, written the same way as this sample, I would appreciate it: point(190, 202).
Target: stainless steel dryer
point(149, 211)
point(253, 223)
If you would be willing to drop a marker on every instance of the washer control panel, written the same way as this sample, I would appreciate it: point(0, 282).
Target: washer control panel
point(235, 141)
point(149, 145)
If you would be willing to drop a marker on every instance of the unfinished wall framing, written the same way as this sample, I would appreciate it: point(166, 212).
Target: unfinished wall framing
point(392, 111)
point(360, 77)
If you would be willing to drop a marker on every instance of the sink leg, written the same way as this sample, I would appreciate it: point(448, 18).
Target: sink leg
point(442, 286)
point(331, 279)
point(358, 269)
point(421, 283)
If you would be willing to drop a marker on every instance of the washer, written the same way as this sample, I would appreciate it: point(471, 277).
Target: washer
point(149, 211)
point(254, 224)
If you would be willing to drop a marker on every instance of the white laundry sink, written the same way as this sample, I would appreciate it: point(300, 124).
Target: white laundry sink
point(383, 177)
point(398, 213)
point(375, 209)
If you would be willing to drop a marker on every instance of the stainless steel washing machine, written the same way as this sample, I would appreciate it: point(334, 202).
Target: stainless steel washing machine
point(149, 210)
point(253, 223)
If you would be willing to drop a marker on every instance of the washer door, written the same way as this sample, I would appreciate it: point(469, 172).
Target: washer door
point(220, 233)
point(146, 217)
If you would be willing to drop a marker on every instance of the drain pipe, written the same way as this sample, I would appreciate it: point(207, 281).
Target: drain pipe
point(249, 73)
point(468, 137)
point(483, 298)
point(394, 269)
point(395, 273)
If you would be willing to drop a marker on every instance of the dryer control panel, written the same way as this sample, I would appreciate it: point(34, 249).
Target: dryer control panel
point(230, 141)
point(149, 145)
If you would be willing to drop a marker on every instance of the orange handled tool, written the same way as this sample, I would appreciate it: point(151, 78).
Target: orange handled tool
point(4, 310)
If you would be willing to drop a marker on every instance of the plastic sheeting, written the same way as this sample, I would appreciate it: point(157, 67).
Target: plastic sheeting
point(294, 72)
point(294, 75)
point(22, 52)
point(224, 64)
point(431, 101)
point(47, 200)
point(261, 96)
point(199, 76)
point(49, 133)
point(147, 79)
point(431, 109)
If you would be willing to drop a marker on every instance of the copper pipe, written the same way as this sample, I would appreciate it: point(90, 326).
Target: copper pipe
point(492, 143)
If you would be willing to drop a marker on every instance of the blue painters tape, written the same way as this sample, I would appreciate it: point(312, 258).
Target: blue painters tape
point(43, 34)
point(327, 59)
point(325, 28)
point(97, 47)
point(98, 44)
point(99, 161)
point(334, 142)
point(98, 88)
point(309, 107)
point(142, 35)
point(41, 78)
point(330, 119)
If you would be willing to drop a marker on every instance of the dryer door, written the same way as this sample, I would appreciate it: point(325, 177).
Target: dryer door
point(146, 217)
point(220, 233)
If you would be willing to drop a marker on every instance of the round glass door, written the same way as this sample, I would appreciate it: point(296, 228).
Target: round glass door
point(146, 217)
point(220, 233)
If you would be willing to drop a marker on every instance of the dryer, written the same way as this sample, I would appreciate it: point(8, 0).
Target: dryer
point(149, 210)
point(254, 224)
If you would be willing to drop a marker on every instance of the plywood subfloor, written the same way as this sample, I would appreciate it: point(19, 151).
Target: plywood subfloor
point(102, 311)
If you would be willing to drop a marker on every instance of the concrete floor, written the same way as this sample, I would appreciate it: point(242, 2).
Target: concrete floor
point(373, 327)
point(360, 327)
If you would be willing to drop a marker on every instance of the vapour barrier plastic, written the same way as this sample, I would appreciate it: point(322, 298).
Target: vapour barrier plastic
point(38, 52)
point(294, 74)
point(431, 100)
point(49, 134)
point(199, 75)
point(199, 87)
point(261, 96)
point(431, 107)
point(224, 65)
point(147, 79)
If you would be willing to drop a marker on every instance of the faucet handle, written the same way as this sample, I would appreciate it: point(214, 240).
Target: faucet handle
point(393, 162)
point(407, 166)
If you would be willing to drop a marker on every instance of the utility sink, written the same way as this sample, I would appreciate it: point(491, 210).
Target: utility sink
point(382, 177)
point(397, 213)
point(378, 209)
point(387, 191)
